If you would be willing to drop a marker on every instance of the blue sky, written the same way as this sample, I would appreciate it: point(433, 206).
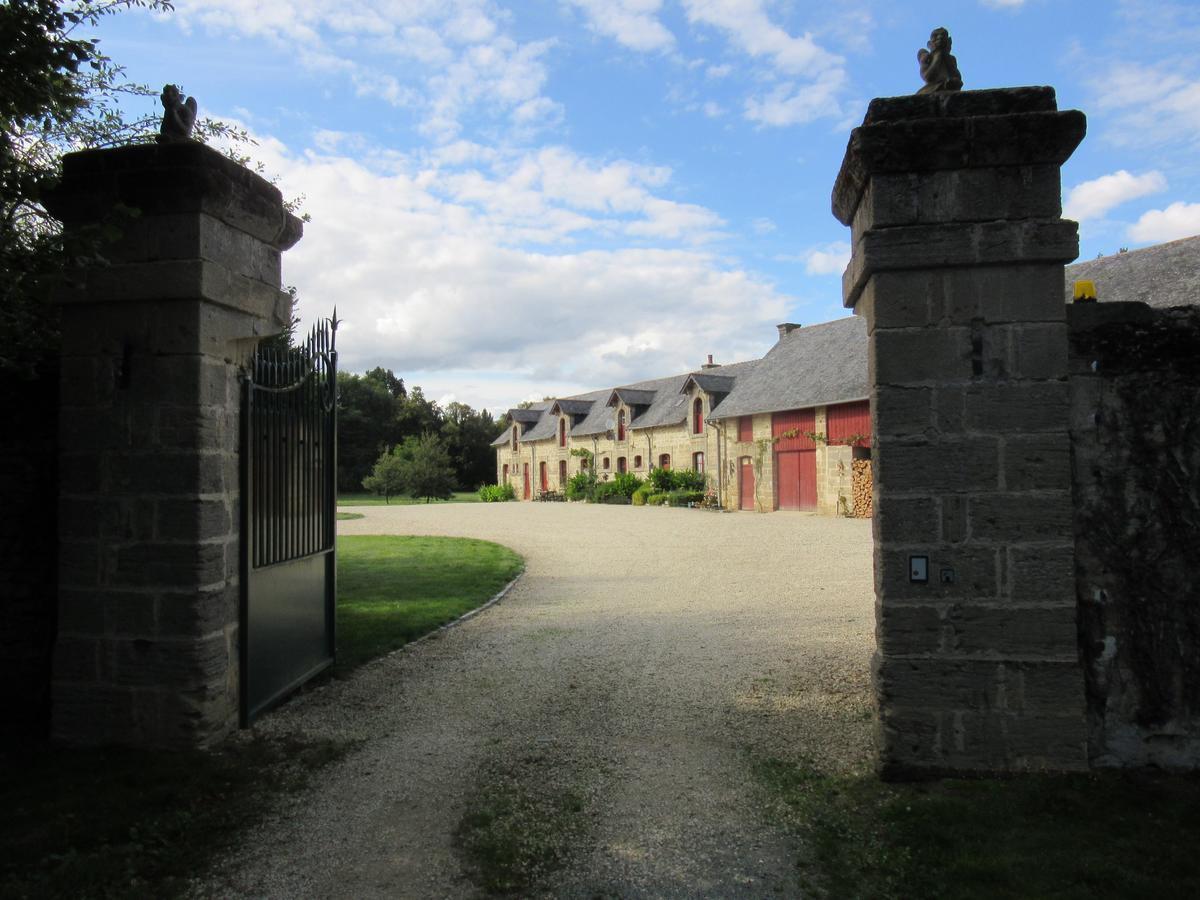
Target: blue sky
point(518, 199)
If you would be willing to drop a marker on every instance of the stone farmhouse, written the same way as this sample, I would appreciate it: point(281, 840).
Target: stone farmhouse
point(790, 431)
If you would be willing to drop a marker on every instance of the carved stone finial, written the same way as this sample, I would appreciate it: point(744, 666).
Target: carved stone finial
point(179, 115)
point(939, 69)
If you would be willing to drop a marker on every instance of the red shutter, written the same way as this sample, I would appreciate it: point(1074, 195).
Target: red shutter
point(746, 428)
point(698, 416)
point(846, 419)
point(562, 432)
point(542, 480)
point(525, 471)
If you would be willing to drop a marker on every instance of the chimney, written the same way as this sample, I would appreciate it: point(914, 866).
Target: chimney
point(710, 364)
point(786, 328)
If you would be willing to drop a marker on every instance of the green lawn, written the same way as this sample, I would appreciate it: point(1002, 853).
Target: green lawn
point(392, 590)
point(376, 500)
point(1107, 834)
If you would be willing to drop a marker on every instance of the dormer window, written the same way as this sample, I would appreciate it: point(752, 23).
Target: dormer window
point(620, 424)
point(516, 442)
point(562, 432)
point(697, 416)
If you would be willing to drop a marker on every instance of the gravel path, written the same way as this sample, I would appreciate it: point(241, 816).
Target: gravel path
point(638, 663)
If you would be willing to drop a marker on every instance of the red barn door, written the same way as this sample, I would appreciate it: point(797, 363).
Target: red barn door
point(796, 474)
point(543, 482)
point(526, 473)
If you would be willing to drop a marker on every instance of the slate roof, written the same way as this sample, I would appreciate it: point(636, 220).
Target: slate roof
point(670, 406)
point(811, 366)
point(1163, 275)
point(572, 407)
point(504, 438)
point(526, 416)
point(631, 397)
point(710, 384)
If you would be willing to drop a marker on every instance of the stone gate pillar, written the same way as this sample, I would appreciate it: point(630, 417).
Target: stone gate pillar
point(958, 252)
point(153, 339)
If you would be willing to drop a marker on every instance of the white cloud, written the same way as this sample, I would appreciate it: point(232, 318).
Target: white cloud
point(827, 259)
point(443, 58)
point(794, 104)
point(748, 26)
point(1149, 105)
point(1092, 199)
point(805, 81)
point(430, 266)
point(762, 225)
point(1004, 4)
point(633, 23)
point(712, 110)
point(1178, 220)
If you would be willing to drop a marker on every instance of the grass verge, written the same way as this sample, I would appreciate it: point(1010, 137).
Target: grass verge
point(392, 590)
point(527, 817)
point(1111, 834)
point(127, 823)
point(345, 516)
point(361, 499)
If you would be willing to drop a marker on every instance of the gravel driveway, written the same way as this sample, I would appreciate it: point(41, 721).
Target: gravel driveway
point(643, 658)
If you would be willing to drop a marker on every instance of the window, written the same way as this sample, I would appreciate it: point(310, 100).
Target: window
point(621, 464)
point(620, 425)
point(664, 461)
point(637, 462)
point(698, 462)
point(607, 462)
point(516, 440)
point(562, 473)
point(746, 428)
point(583, 464)
point(562, 432)
point(504, 477)
point(698, 416)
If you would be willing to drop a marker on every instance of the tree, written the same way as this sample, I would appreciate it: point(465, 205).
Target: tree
point(389, 380)
point(366, 427)
point(58, 93)
point(428, 472)
point(468, 436)
point(387, 477)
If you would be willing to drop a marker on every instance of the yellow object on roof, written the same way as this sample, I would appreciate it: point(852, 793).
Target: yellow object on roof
point(1085, 290)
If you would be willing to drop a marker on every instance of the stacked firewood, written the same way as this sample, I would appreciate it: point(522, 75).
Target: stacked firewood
point(861, 483)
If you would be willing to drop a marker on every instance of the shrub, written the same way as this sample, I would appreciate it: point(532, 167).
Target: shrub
point(579, 485)
point(683, 498)
point(626, 484)
point(657, 499)
point(688, 480)
point(644, 491)
point(662, 479)
point(638, 498)
point(497, 493)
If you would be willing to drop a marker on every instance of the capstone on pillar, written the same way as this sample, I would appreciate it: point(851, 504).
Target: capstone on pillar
point(954, 202)
point(153, 340)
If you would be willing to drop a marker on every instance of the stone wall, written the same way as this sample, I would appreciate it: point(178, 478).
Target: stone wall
point(957, 265)
point(1135, 428)
point(28, 552)
point(153, 347)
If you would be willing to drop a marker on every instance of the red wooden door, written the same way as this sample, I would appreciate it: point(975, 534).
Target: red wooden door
point(526, 473)
point(796, 477)
point(746, 492)
point(562, 474)
point(808, 479)
point(787, 479)
point(542, 480)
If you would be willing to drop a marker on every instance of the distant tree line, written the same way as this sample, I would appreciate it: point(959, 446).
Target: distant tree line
point(377, 413)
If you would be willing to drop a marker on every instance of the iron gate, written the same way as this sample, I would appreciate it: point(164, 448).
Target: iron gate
point(288, 499)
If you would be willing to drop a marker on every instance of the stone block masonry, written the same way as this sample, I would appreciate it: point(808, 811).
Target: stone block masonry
point(153, 346)
point(957, 266)
point(1135, 424)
